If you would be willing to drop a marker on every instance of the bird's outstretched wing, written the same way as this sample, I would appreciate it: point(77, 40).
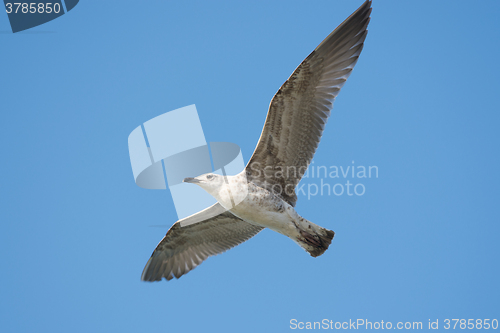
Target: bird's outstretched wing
point(300, 109)
point(192, 240)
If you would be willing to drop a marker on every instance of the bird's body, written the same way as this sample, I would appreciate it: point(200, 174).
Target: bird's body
point(263, 194)
point(263, 208)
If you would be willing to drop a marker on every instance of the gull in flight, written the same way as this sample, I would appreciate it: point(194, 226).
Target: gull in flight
point(263, 194)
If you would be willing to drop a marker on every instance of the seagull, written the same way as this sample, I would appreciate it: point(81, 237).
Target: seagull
point(263, 194)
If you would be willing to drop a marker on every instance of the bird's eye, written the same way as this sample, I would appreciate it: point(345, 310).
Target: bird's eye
point(210, 177)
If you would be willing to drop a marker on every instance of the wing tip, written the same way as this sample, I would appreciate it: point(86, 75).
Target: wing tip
point(363, 12)
point(146, 274)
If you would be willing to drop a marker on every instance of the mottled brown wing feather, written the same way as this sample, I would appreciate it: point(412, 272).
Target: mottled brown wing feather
point(192, 240)
point(300, 109)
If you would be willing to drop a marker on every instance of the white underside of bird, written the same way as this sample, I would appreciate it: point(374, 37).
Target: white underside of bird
point(261, 207)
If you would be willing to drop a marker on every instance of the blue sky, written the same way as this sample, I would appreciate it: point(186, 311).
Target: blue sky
point(421, 105)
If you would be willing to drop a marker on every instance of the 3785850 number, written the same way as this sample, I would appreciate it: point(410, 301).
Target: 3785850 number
point(32, 8)
point(470, 324)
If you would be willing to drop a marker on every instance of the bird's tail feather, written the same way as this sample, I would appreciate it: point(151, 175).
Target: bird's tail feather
point(314, 239)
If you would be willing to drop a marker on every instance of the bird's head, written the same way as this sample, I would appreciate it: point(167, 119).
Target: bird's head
point(227, 190)
point(210, 182)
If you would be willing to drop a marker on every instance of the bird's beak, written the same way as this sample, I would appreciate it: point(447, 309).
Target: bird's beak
point(190, 180)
